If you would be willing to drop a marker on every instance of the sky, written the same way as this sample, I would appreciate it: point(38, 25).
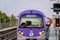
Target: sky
point(17, 6)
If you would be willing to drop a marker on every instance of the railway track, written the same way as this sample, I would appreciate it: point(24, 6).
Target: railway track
point(8, 33)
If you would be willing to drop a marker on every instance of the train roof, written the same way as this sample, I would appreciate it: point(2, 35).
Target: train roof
point(31, 11)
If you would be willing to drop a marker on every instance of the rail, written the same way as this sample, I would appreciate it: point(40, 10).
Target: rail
point(10, 34)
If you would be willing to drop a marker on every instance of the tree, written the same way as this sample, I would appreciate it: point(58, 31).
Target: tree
point(13, 20)
point(0, 17)
point(3, 17)
point(0, 14)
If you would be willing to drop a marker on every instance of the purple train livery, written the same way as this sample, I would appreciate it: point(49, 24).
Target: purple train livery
point(31, 25)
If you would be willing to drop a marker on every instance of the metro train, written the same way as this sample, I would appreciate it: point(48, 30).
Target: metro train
point(31, 25)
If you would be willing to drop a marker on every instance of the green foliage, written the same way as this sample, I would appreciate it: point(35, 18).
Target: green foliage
point(3, 17)
point(12, 19)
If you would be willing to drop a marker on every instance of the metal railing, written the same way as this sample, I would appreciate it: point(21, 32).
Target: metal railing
point(8, 35)
point(7, 25)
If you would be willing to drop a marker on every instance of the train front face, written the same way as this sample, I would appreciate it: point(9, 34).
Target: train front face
point(31, 25)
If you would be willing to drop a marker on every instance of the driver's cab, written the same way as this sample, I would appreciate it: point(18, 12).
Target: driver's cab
point(31, 20)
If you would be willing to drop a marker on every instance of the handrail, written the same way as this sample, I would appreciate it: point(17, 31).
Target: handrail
point(7, 28)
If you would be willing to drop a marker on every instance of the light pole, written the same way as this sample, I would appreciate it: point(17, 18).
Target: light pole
point(56, 9)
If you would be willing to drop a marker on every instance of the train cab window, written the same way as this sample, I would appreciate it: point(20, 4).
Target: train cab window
point(31, 20)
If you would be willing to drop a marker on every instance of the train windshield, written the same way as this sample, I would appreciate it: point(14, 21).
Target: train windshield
point(32, 20)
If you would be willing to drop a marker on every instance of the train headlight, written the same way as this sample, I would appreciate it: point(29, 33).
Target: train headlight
point(40, 33)
point(21, 33)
